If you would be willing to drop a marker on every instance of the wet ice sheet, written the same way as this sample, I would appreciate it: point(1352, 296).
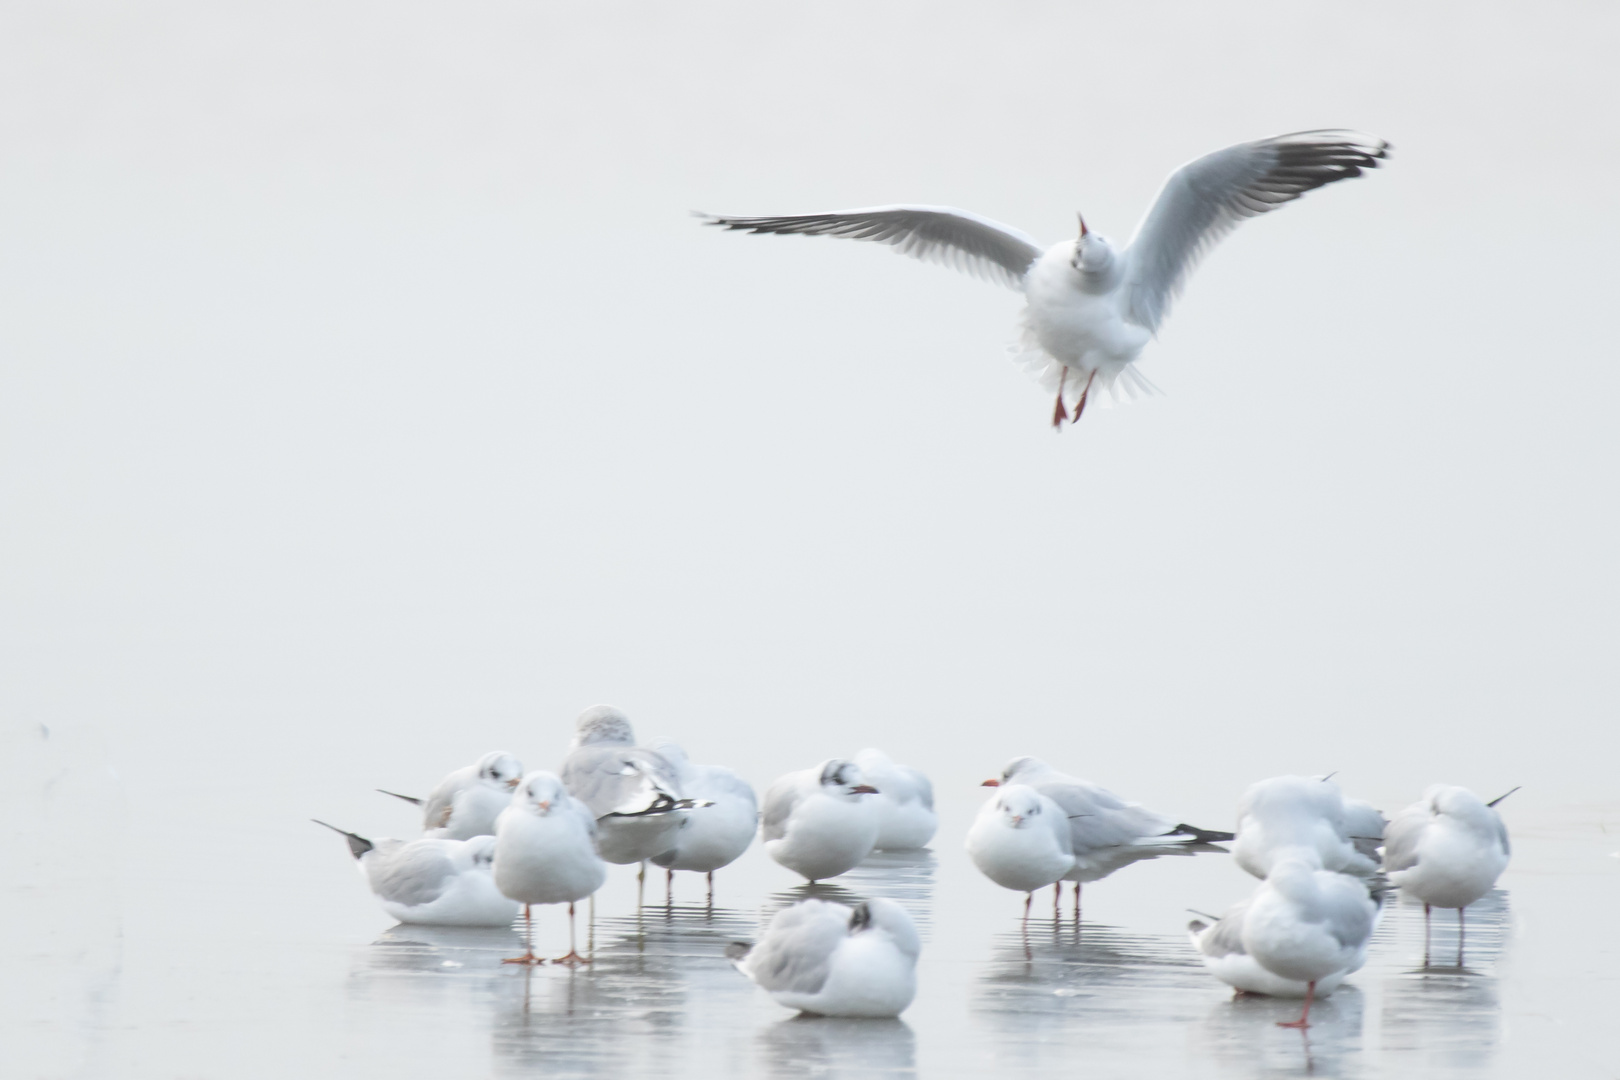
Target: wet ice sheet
point(248, 948)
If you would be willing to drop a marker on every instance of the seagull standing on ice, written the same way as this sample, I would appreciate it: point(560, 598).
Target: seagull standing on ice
point(819, 822)
point(1092, 307)
point(714, 835)
point(1105, 831)
point(1447, 850)
point(633, 792)
point(1284, 814)
point(828, 959)
point(432, 882)
point(905, 801)
point(545, 853)
point(466, 802)
point(1299, 935)
point(1021, 840)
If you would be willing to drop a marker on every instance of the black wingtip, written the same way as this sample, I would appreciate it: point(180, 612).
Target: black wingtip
point(1204, 836)
point(1504, 795)
point(358, 845)
point(738, 949)
point(412, 799)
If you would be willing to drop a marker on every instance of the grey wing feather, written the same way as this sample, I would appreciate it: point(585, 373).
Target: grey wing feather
point(939, 234)
point(1098, 818)
point(925, 786)
point(1227, 936)
point(1401, 838)
point(596, 776)
point(416, 873)
point(780, 799)
point(796, 954)
point(1205, 199)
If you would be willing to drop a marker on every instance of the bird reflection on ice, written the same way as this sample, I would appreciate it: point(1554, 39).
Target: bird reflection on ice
point(1241, 1037)
point(831, 1047)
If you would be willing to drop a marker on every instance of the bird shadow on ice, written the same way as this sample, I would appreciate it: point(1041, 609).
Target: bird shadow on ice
point(1240, 1036)
point(826, 1046)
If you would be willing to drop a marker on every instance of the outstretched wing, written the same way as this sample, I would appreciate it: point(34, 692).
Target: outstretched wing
point(1208, 198)
point(939, 234)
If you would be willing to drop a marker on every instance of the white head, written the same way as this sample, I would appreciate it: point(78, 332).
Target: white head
point(843, 779)
point(886, 917)
point(1018, 806)
point(1461, 804)
point(1018, 767)
point(602, 724)
point(500, 769)
point(1093, 254)
point(540, 793)
point(1294, 875)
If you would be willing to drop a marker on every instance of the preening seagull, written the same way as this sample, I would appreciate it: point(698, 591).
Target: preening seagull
point(1092, 307)
point(1447, 849)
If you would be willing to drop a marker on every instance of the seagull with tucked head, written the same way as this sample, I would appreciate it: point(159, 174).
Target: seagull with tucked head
point(1093, 307)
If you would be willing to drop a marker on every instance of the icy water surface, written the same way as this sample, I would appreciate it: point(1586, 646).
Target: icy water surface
point(205, 951)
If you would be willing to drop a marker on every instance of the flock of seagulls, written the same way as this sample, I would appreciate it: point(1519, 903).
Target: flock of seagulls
point(1326, 863)
point(497, 840)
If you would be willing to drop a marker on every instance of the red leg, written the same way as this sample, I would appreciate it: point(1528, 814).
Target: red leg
point(1080, 406)
point(1058, 413)
point(1057, 902)
point(528, 956)
point(1304, 1020)
point(1077, 905)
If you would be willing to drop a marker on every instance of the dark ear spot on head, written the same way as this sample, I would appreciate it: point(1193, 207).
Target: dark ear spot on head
point(861, 917)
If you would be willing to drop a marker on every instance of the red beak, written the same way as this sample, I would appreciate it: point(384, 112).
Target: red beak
point(1084, 232)
point(991, 783)
point(864, 789)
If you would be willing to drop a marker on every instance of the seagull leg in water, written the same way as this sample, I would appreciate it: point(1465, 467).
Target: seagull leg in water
point(641, 884)
point(710, 876)
point(669, 889)
point(1029, 898)
point(1057, 902)
point(1058, 414)
point(1460, 932)
point(1425, 935)
point(571, 957)
point(528, 956)
point(1077, 905)
point(1304, 1017)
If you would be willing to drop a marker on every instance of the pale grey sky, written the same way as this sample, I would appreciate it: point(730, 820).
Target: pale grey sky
point(370, 399)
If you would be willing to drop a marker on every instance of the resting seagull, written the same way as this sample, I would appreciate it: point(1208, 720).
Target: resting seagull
point(1092, 307)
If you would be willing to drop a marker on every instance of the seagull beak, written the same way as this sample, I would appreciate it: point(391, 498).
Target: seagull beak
point(1018, 819)
point(1084, 232)
point(863, 789)
point(991, 783)
point(514, 782)
point(545, 804)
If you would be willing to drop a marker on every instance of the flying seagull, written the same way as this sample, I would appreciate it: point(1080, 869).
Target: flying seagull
point(1092, 307)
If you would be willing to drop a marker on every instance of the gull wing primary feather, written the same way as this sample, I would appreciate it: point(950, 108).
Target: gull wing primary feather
point(940, 234)
point(1207, 198)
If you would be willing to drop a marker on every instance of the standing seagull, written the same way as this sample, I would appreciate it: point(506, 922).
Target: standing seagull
point(1021, 840)
point(466, 802)
point(1107, 833)
point(713, 835)
point(818, 822)
point(1447, 850)
point(1288, 814)
point(633, 792)
point(826, 959)
point(1093, 307)
point(545, 853)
